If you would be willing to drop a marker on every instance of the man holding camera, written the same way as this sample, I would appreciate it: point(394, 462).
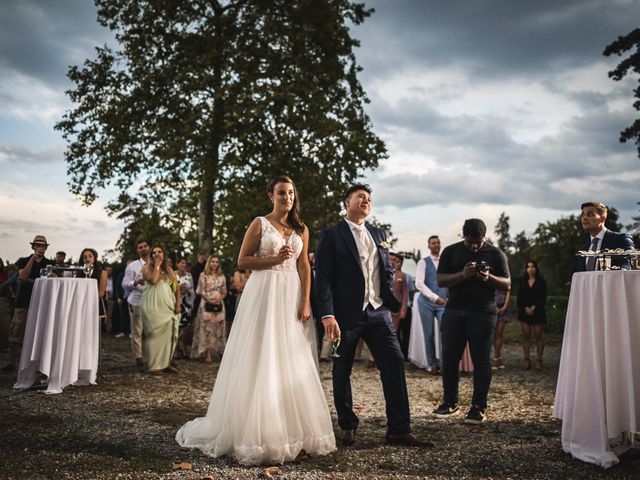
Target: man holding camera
point(472, 270)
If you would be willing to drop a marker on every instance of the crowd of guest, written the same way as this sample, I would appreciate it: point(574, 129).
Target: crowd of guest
point(165, 313)
point(187, 312)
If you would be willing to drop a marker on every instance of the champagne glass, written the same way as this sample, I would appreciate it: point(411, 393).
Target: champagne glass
point(88, 270)
point(334, 346)
point(288, 241)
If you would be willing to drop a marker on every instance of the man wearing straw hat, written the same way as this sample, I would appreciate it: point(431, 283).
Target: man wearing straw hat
point(28, 271)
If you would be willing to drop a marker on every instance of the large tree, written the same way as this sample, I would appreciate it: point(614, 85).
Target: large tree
point(504, 241)
point(204, 100)
point(623, 44)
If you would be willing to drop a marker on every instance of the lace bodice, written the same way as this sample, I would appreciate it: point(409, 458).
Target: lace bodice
point(271, 242)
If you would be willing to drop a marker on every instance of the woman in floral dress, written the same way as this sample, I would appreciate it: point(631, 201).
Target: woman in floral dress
point(209, 328)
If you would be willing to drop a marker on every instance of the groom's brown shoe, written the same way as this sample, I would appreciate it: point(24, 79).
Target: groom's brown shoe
point(348, 437)
point(408, 440)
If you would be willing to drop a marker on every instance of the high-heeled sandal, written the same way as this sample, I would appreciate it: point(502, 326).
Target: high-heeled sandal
point(526, 365)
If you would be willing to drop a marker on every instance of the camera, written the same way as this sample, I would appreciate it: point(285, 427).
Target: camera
point(482, 266)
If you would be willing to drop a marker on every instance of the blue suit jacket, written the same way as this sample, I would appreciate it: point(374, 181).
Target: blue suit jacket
point(611, 240)
point(340, 281)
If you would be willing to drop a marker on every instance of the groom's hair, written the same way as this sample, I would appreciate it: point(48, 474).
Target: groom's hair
point(354, 188)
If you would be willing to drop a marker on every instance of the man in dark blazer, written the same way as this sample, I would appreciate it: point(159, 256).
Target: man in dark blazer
point(593, 218)
point(354, 300)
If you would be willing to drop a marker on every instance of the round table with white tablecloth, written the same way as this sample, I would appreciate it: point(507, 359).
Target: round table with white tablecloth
point(598, 390)
point(62, 334)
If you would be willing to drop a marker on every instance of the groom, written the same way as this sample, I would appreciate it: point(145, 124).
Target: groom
point(353, 299)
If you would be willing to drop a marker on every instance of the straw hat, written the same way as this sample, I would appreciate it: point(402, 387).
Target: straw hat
point(39, 239)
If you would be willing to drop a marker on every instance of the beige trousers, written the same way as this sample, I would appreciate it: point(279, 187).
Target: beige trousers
point(137, 322)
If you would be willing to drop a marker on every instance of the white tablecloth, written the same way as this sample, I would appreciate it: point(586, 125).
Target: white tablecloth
point(598, 391)
point(62, 334)
point(417, 353)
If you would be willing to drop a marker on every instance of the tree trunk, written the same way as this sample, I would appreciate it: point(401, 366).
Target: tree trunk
point(212, 164)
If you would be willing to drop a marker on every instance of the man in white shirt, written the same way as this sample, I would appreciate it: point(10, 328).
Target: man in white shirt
point(431, 301)
point(135, 283)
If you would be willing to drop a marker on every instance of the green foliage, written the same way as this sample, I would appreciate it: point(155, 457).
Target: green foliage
point(628, 43)
point(504, 241)
point(205, 101)
point(414, 254)
point(553, 246)
point(385, 227)
point(150, 225)
point(556, 308)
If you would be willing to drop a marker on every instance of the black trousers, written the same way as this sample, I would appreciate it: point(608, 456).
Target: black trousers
point(459, 327)
point(376, 329)
point(404, 332)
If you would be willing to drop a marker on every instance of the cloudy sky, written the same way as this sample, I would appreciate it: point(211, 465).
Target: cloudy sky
point(485, 105)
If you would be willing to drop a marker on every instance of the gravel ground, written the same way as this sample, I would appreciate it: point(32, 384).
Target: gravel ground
point(124, 428)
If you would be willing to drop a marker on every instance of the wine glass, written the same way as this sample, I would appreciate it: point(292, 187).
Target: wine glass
point(288, 241)
point(334, 346)
point(88, 270)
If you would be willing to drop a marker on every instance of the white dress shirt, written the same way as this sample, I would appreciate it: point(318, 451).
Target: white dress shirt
point(420, 271)
point(132, 274)
point(598, 246)
point(369, 264)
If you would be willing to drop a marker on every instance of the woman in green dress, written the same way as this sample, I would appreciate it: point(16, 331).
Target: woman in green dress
point(160, 304)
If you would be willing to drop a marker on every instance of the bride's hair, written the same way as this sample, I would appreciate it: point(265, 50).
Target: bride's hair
point(294, 214)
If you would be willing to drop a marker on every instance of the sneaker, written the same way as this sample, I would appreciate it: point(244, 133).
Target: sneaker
point(119, 335)
point(446, 409)
point(475, 416)
point(497, 363)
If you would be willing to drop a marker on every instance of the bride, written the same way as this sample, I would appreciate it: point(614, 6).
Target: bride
point(267, 403)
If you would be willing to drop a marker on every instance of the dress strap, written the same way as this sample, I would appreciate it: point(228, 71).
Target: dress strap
point(263, 224)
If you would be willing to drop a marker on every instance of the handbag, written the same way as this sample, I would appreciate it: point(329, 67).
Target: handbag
point(212, 307)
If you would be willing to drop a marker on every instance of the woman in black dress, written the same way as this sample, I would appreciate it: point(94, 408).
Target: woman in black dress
point(90, 256)
point(532, 296)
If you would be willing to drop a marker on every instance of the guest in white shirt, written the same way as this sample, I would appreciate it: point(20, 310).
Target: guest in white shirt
point(134, 281)
point(431, 301)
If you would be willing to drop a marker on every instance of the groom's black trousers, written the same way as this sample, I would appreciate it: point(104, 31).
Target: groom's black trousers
point(376, 329)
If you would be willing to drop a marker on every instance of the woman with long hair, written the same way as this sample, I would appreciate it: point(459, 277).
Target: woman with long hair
point(267, 404)
point(160, 304)
point(532, 296)
point(89, 256)
point(209, 327)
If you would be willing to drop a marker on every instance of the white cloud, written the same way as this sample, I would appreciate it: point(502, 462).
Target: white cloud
point(28, 210)
point(29, 99)
point(19, 154)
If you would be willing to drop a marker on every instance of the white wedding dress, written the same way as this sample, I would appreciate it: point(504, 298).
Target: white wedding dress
point(267, 402)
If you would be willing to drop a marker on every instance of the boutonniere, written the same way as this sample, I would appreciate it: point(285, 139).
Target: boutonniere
point(385, 245)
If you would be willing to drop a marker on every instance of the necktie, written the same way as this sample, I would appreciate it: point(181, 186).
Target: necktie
point(591, 261)
point(362, 235)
